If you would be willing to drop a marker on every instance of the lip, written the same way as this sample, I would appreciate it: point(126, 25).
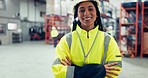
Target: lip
point(86, 19)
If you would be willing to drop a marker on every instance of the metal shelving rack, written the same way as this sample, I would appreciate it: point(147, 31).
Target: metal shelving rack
point(56, 21)
point(132, 51)
point(107, 14)
point(144, 34)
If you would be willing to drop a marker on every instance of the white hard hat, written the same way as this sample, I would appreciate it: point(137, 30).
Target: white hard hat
point(110, 27)
point(83, 0)
point(78, 1)
point(53, 28)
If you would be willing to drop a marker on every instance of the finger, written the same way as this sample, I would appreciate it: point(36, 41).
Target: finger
point(111, 64)
point(63, 63)
point(113, 73)
point(112, 68)
point(68, 59)
point(67, 62)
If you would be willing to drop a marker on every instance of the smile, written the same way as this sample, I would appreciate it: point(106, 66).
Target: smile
point(87, 18)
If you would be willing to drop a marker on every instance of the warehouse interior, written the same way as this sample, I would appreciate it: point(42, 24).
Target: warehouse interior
point(27, 47)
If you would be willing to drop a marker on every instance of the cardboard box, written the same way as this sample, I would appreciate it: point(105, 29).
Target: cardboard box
point(145, 48)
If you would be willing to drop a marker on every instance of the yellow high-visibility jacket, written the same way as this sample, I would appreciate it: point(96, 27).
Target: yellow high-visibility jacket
point(54, 32)
point(76, 55)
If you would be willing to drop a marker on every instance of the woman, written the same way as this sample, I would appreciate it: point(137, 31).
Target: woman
point(54, 35)
point(87, 52)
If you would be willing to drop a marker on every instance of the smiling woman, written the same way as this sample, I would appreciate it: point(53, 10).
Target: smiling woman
point(87, 52)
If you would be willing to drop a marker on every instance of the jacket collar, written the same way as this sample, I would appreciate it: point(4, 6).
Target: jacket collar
point(82, 31)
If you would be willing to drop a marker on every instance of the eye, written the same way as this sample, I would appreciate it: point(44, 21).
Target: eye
point(81, 10)
point(90, 9)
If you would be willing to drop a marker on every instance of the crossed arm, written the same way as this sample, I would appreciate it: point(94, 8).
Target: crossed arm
point(108, 67)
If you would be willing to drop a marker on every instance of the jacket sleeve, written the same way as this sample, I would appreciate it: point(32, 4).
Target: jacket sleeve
point(59, 70)
point(114, 55)
point(90, 71)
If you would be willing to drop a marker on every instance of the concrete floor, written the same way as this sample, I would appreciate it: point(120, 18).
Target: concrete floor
point(34, 59)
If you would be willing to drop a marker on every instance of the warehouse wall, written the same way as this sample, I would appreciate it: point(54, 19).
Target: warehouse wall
point(27, 9)
point(12, 7)
point(32, 12)
point(58, 7)
point(6, 16)
point(7, 37)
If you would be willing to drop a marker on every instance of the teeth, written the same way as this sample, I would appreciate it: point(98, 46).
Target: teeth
point(87, 18)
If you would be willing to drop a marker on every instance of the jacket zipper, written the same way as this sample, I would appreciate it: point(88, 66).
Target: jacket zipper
point(87, 34)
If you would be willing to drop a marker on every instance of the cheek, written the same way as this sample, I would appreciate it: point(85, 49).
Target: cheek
point(80, 17)
point(94, 14)
point(95, 17)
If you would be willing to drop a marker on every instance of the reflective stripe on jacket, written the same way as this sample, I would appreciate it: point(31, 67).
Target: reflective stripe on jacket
point(74, 51)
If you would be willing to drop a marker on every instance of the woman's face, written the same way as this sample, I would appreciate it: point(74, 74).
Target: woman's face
point(87, 15)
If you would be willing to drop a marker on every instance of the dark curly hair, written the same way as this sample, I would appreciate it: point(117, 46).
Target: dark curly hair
point(98, 19)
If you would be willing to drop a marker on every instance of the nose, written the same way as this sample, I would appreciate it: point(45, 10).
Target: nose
point(86, 12)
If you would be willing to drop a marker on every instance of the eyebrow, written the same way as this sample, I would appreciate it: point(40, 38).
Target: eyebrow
point(81, 7)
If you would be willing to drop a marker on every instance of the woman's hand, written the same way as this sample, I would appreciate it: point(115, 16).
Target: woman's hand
point(66, 62)
point(109, 69)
